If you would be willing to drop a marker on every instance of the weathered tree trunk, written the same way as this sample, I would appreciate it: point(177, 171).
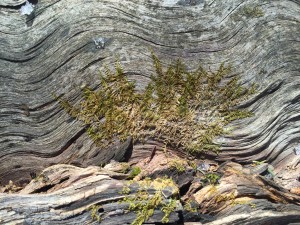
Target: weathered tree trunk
point(65, 194)
point(53, 51)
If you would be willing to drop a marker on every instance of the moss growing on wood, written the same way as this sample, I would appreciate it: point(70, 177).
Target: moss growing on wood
point(244, 202)
point(144, 204)
point(95, 213)
point(135, 170)
point(225, 197)
point(180, 108)
point(211, 178)
point(178, 164)
point(189, 206)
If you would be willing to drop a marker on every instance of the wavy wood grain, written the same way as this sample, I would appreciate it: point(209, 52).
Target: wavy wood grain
point(53, 51)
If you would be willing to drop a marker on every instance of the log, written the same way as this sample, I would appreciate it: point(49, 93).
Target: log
point(65, 194)
point(61, 47)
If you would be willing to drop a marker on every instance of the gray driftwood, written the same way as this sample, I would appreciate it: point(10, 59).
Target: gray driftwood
point(63, 44)
point(65, 194)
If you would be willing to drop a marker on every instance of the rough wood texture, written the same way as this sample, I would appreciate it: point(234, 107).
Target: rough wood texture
point(66, 195)
point(53, 51)
point(240, 193)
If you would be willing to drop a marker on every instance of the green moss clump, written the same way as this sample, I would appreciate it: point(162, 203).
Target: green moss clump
point(211, 178)
point(168, 209)
point(180, 108)
point(135, 170)
point(94, 213)
point(144, 204)
point(189, 206)
point(178, 164)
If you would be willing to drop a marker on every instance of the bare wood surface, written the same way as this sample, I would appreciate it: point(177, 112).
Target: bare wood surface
point(53, 52)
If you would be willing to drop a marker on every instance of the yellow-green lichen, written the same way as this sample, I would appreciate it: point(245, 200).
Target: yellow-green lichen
point(244, 202)
point(225, 197)
point(181, 108)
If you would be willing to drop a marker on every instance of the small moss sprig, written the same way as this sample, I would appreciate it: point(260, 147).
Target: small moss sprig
point(180, 108)
point(135, 170)
point(178, 164)
point(144, 204)
point(189, 206)
point(211, 178)
point(94, 213)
